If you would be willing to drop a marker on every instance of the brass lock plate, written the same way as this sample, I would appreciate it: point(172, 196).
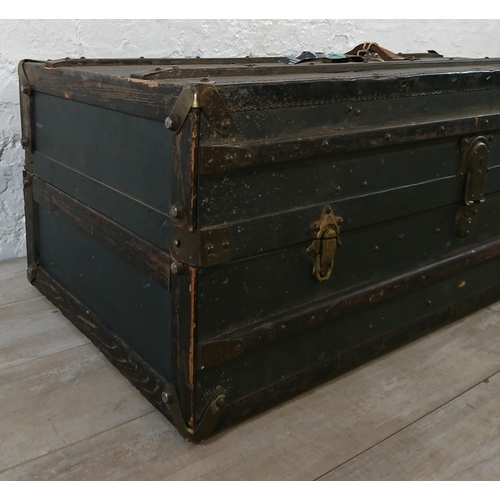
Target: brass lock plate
point(322, 250)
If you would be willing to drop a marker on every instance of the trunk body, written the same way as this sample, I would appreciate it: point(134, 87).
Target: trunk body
point(290, 223)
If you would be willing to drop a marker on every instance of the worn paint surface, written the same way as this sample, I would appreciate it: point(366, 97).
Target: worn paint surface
point(46, 39)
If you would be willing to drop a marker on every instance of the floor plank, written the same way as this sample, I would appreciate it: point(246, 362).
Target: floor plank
point(460, 441)
point(31, 329)
point(14, 285)
point(61, 399)
point(496, 307)
point(302, 439)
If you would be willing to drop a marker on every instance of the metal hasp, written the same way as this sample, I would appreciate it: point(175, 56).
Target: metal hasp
point(474, 167)
point(208, 420)
point(323, 248)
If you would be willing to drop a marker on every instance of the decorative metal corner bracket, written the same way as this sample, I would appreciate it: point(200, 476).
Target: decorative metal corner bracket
point(206, 97)
point(474, 168)
point(203, 248)
point(208, 420)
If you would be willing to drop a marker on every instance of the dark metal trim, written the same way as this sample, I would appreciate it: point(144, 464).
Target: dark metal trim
point(298, 320)
point(224, 158)
point(149, 259)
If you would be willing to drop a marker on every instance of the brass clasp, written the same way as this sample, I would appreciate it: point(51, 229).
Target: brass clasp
point(323, 248)
point(474, 167)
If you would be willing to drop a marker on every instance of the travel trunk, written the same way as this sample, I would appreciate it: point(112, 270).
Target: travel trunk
point(232, 232)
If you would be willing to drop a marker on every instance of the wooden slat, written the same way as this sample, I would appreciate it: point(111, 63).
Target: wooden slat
point(496, 307)
point(33, 328)
point(58, 400)
point(302, 439)
point(14, 285)
point(460, 441)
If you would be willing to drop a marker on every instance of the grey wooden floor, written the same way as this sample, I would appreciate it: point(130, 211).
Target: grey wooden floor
point(430, 410)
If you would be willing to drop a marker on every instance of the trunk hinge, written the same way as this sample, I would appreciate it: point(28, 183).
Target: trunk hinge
point(206, 97)
point(208, 420)
point(474, 167)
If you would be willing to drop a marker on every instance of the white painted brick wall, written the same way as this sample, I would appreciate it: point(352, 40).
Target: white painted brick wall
point(20, 39)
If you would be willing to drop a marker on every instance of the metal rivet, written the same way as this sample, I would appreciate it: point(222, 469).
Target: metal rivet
point(324, 144)
point(375, 248)
point(474, 211)
point(221, 401)
point(340, 221)
point(437, 230)
point(204, 79)
point(357, 112)
point(237, 347)
point(177, 268)
point(349, 109)
point(225, 124)
point(370, 327)
point(323, 274)
point(209, 248)
point(176, 211)
point(165, 397)
point(429, 302)
point(364, 184)
point(337, 189)
point(387, 137)
point(177, 243)
point(172, 122)
point(328, 210)
point(225, 245)
point(157, 69)
point(315, 227)
point(25, 142)
point(25, 89)
point(486, 122)
point(441, 129)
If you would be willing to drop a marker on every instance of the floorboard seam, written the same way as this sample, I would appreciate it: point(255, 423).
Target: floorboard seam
point(76, 442)
point(47, 355)
point(408, 425)
point(30, 298)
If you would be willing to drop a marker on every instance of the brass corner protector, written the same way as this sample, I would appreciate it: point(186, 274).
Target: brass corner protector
point(208, 420)
point(206, 97)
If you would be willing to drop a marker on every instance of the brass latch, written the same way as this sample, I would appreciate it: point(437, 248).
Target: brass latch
point(474, 167)
point(323, 248)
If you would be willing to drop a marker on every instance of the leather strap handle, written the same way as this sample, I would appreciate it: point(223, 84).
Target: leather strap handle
point(363, 49)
